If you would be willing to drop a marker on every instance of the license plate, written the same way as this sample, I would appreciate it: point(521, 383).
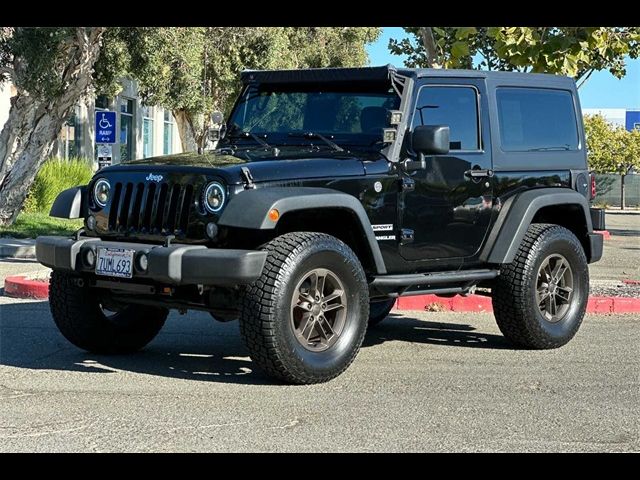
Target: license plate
point(115, 262)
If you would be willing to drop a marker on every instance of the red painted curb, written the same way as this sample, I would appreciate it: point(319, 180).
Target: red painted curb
point(631, 282)
point(21, 287)
point(480, 303)
point(605, 233)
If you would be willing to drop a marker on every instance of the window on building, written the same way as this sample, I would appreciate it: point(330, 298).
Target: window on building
point(126, 129)
point(536, 119)
point(102, 102)
point(167, 139)
point(636, 126)
point(147, 131)
point(453, 106)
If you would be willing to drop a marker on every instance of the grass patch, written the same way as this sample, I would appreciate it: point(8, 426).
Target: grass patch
point(31, 225)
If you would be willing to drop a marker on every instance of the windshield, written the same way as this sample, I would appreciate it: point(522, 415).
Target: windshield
point(298, 114)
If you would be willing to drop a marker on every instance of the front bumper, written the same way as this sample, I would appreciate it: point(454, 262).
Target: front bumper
point(176, 264)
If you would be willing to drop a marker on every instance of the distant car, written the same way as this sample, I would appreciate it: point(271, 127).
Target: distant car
point(331, 193)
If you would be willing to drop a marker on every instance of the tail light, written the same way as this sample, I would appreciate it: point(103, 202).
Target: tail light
point(593, 185)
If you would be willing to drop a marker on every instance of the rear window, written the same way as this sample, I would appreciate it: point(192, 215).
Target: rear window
point(535, 119)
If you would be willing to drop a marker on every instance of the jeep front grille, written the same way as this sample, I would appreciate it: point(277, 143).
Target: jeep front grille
point(150, 208)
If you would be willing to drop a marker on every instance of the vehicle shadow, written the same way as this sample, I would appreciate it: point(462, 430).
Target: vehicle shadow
point(397, 327)
point(197, 348)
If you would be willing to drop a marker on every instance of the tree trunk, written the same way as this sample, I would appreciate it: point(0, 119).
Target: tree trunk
point(622, 192)
point(429, 46)
point(192, 129)
point(33, 125)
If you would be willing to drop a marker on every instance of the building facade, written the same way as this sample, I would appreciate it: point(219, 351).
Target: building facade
point(627, 118)
point(141, 131)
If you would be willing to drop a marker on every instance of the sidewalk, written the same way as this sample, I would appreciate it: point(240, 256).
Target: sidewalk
point(17, 248)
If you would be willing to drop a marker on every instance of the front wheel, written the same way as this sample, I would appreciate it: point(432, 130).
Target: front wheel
point(84, 318)
point(305, 318)
point(539, 300)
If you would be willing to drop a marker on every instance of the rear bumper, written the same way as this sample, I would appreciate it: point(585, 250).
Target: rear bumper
point(597, 218)
point(177, 264)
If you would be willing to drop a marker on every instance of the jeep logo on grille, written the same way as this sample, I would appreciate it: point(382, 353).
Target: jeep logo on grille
point(154, 178)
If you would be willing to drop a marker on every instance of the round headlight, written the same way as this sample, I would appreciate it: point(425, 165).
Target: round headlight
point(214, 196)
point(101, 192)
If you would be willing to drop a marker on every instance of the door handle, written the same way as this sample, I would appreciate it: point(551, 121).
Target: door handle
point(478, 173)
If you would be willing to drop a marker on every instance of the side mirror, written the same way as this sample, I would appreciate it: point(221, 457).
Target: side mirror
point(431, 139)
point(217, 130)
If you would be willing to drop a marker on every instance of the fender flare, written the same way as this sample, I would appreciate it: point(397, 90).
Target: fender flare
point(516, 215)
point(249, 209)
point(70, 203)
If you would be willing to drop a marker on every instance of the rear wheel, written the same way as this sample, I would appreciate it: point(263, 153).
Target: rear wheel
point(91, 323)
point(540, 299)
point(304, 319)
point(379, 310)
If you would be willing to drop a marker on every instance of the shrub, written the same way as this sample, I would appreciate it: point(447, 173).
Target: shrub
point(55, 176)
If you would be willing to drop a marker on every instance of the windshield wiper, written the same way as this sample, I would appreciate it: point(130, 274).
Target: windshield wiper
point(549, 149)
point(251, 135)
point(311, 135)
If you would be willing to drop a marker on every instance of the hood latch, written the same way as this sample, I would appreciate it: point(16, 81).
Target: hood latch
point(247, 178)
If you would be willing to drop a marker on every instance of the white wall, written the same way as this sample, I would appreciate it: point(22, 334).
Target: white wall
point(615, 116)
point(5, 96)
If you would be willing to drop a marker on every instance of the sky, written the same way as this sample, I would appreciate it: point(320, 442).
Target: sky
point(602, 89)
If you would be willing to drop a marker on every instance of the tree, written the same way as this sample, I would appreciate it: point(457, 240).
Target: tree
point(573, 51)
point(194, 71)
point(612, 149)
point(51, 69)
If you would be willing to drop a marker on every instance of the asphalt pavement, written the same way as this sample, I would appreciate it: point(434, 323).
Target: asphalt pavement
point(422, 382)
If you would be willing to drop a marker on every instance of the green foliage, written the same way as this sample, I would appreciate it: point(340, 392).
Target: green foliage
point(55, 176)
point(32, 225)
point(572, 51)
point(611, 149)
point(197, 69)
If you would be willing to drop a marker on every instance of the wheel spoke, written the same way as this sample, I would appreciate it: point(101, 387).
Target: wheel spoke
point(333, 306)
point(559, 270)
point(304, 302)
point(307, 327)
point(325, 327)
point(554, 306)
point(543, 297)
point(317, 284)
point(564, 293)
point(333, 295)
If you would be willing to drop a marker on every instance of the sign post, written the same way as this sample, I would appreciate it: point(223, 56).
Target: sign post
point(105, 136)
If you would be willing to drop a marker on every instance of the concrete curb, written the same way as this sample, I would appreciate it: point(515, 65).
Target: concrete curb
point(605, 233)
point(479, 303)
point(17, 248)
point(21, 287)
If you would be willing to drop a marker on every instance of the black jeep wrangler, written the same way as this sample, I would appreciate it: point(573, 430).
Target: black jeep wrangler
point(331, 193)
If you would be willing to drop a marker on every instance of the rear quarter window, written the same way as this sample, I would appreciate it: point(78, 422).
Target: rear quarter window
point(536, 119)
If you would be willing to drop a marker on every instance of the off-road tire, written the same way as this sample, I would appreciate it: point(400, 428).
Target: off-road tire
point(265, 308)
point(77, 312)
point(514, 293)
point(378, 311)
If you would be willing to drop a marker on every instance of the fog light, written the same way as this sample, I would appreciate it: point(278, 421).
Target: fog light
point(212, 230)
point(91, 222)
point(395, 117)
point(89, 257)
point(388, 135)
point(143, 262)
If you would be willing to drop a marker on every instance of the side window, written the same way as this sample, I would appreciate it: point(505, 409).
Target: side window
point(453, 106)
point(535, 119)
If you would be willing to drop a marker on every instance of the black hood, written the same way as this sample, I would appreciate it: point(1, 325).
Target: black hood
point(264, 167)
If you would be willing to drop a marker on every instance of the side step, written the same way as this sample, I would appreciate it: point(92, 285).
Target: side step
point(438, 278)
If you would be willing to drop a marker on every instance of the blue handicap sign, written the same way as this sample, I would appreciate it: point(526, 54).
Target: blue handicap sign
point(105, 127)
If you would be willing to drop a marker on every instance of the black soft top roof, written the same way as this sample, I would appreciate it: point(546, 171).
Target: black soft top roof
point(308, 75)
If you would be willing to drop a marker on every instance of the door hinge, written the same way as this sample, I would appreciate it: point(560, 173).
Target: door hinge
point(406, 236)
point(407, 184)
